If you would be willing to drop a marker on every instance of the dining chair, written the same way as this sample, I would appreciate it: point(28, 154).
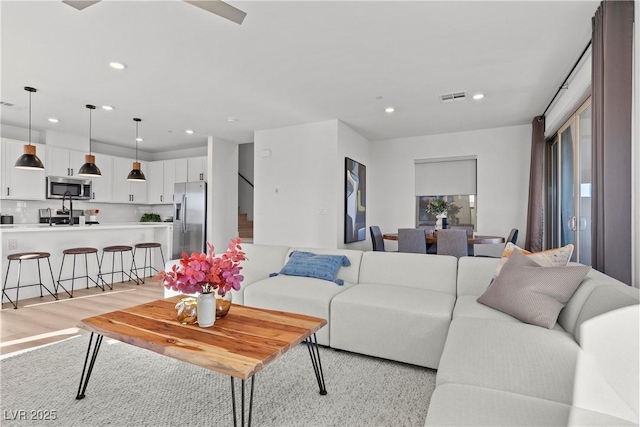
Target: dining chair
point(429, 229)
point(412, 240)
point(469, 230)
point(513, 237)
point(376, 238)
point(453, 242)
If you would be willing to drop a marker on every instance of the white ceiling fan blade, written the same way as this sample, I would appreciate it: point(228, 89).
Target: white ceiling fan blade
point(80, 4)
point(220, 8)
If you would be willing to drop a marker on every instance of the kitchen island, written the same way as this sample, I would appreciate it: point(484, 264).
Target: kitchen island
point(54, 239)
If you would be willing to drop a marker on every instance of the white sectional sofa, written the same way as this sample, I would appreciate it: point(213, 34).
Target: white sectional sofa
point(492, 369)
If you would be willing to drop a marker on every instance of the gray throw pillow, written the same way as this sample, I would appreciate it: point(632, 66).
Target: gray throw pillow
point(531, 293)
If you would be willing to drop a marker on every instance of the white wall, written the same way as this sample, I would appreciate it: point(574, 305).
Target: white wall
point(353, 145)
point(294, 196)
point(503, 157)
point(222, 193)
point(21, 134)
point(179, 154)
point(635, 151)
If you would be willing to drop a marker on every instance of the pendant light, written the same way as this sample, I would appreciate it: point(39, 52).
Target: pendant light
point(136, 174)
point(29, 160)
point(89, 168)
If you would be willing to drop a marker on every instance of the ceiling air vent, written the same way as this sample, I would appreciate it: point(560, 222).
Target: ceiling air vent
point(6, 104)
point(453, 96)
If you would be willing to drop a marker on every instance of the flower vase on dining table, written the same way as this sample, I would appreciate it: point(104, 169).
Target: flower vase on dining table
point(441, 217)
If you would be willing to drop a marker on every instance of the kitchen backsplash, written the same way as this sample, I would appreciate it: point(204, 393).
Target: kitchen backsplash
point(26, 212)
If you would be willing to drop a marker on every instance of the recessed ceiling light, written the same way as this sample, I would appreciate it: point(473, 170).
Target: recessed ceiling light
point(117, 65)
point(53, 120)
point(478, 96)
point(139, 139)
point(107, 107)
point(389, 109)
point(232, 119)
point(189, 131)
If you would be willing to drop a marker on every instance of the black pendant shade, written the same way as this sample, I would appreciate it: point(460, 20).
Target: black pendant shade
point(136, 174)
point(29, 160)
point(89, 168)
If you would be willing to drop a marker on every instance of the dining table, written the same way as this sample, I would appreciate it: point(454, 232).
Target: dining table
point(472, 240)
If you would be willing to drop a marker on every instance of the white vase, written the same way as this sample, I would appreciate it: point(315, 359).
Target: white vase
point(439, 220)
point(206, 309)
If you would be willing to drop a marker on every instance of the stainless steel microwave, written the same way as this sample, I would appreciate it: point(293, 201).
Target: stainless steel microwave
point(58, 186)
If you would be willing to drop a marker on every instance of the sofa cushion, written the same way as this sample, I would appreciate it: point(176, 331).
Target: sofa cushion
point(399, 323)
point(608, 371)
point(308, 264)
point(475, 274)
point(465, 405)
point(263, 259)
point(605, 298)
point(556, 257)
point(510, 356)
point(302, 295)
point(468, 306)
point(432, 272)
point(532, 293)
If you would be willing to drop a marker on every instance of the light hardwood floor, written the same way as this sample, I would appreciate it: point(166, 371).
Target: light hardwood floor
point(39, 321)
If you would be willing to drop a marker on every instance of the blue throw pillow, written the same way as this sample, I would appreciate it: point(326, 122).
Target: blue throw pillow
point(307, 264)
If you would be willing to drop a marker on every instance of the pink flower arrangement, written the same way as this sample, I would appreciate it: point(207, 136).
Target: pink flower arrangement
point(204, 273)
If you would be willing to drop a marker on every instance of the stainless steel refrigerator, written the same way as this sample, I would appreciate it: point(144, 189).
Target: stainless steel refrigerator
point(189, 218)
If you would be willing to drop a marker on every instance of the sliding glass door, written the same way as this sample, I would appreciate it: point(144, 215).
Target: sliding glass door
point(569, 186)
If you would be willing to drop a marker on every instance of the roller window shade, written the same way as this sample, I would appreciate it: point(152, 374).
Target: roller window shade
point(445, 177)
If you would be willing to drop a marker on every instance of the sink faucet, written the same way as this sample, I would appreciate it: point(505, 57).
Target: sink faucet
point(50, 223)
point(70, 206)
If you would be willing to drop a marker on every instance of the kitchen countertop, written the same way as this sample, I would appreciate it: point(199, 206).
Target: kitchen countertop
point(21, 228)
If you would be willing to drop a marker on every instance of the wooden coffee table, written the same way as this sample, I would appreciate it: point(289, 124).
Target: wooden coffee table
point(239, 344)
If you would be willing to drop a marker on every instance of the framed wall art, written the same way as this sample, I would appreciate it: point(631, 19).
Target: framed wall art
point(355, 197)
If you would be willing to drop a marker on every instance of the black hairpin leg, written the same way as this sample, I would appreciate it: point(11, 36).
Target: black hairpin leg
point(242, 400)
point(83, 387)
point(314, 353)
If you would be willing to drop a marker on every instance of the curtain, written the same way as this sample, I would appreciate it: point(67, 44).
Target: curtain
point(535, 213)
point(612, 63)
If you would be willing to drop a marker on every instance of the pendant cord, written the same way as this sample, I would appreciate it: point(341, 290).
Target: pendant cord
point(89, 130)
point(29, 118)
point(136, 142)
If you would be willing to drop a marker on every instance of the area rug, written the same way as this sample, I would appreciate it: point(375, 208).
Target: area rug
point(136, 387)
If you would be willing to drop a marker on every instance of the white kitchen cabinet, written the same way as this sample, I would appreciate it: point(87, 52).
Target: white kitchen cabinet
point(64, 162)
point(101, 188)
point(21, 184)
point(162, 177)
point(197, 169)
point(127, 191)
point(182, 171)
point(174, 171)
point(155, 182)
point(169, 179)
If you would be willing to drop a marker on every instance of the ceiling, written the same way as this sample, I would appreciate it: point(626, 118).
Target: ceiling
point(289, 63)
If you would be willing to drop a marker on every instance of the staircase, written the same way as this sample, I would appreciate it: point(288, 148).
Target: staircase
point(245, 228)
